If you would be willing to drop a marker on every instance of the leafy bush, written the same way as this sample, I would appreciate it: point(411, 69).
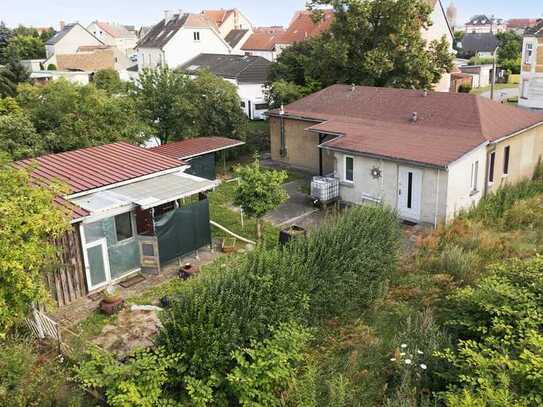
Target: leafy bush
point(465, 88)
point(266, 368)
point(139, 381)
point(28, 379)
point(498, 325)
point(333, 272)
point(51, 67)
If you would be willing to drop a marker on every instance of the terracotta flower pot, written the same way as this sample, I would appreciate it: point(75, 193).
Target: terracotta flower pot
point(110, 306)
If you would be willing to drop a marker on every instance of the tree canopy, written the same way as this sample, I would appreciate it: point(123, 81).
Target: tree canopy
point(509, 53)
point(28, 222)
point(178, 107)
point(70, 116)
point(375, 43)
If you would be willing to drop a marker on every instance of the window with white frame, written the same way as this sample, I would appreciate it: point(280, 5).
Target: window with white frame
point(349, 169)
point(474, 176)
point(196, 35)
point(528, 53)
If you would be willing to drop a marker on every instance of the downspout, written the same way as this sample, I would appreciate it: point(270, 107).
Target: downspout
point(487, 171)
point(437, 199)
point(283, 147)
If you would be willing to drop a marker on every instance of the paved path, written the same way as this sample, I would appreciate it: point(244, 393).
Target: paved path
point(502, 94)
point(296, 207)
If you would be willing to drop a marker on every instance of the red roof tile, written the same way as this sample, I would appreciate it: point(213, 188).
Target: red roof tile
point(303, 27)
point(260, 41)
point(186, 149)
point(379, 121)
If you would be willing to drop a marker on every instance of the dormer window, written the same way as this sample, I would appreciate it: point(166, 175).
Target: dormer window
point(196, 35)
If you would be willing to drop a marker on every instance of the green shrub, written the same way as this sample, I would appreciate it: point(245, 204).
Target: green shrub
point(498, 327)
point(339, 269)
point(51, 67)
point(138, 382)
point(465, 88)
point(267, 368)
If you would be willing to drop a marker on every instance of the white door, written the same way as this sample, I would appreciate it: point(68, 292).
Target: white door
point(409, 193)
point(98, 273)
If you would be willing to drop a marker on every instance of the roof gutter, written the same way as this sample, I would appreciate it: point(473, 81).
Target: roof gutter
point(516, 133)
point(295, 117)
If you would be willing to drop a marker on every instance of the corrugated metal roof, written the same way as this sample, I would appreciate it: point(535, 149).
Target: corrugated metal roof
point(96, 167)
point(194, 147)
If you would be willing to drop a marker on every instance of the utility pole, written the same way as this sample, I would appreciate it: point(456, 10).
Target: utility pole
point(493, 83)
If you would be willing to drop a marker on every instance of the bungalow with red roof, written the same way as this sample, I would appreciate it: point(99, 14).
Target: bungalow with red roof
point(131, 209)
point(427, 154)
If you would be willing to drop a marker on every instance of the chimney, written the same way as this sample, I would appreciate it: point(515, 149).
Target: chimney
point(414, 117)
point(353, 87)
point(62, 24)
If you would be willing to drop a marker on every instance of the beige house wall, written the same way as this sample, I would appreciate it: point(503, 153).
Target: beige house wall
point(302, 145)
point(526, 150)
point(366, 188)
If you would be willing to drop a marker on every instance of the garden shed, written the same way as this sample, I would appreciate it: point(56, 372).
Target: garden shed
point(131, 210)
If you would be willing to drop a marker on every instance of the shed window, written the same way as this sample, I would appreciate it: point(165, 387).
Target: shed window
point(196, 36)
point(349, 169)
point(123, 226)
point(528, 53)
point(261, 106)
point(506, 153)
point(491, 166)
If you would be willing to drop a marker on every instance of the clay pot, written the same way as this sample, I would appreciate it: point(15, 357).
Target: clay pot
point(187, 271)
point(111, 306)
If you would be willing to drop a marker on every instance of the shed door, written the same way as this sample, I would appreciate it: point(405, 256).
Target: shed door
point(409, 193)
point(98, 273)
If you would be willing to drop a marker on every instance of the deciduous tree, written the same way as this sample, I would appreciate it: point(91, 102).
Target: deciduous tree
point(259, 191)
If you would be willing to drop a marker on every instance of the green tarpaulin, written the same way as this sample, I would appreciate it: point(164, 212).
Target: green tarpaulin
point(183, 230)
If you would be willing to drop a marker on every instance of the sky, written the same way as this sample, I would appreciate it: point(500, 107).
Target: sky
point(261, 12)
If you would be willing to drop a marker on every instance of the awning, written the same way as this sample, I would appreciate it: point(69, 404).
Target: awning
point(147, 193)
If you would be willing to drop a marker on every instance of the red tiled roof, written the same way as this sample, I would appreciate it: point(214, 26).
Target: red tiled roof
point(218, 16)
point(303, 27)
point(260, 41)
point(379, 121)
point(189, 148)
point(115, 31)
point(522, 22)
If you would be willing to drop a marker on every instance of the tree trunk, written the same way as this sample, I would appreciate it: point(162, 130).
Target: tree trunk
point(258, 229)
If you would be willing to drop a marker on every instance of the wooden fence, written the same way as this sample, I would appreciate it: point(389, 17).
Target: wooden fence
point(43, 327)
point(67, 280)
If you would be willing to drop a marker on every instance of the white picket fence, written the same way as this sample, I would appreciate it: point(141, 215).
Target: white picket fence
point(43, 327)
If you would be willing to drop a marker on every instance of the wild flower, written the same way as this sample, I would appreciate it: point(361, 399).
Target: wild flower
point(423, 366)
point(408, 361)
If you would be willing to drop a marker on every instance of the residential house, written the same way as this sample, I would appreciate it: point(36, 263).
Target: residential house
point(201, 153)
point(427, 154)
point(440, 29)
point(178, 38)
point(69, 39)
point(132, 210)
point(480, 24)
point(248, 73)
point(531, 84)
point(114, 35)
point(520, 25)
point(481, 74)
point(262, 42)
point(77, 77)
point(232, 24)
point(477, 45)
point(92, 59)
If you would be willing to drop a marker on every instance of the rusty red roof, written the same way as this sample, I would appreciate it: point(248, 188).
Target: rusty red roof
point(303, 26)
point(194, 147)
point(380, 121)
point(95, 167)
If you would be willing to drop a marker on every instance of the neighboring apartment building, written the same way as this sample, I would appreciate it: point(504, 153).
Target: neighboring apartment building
point(427, 154)
point(531, 84)
point(179, 37)
point(115, 35)
point(69, 39)
point(477, 45)
point(482, 24)
point(262, 42)
point(248, 73)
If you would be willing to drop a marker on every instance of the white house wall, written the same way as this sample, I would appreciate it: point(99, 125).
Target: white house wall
point(459, 193)
point(182, 47)
point(150, 58)
point(385, 189)
point(269, 55)
point(70, 43)
point(253, 92)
